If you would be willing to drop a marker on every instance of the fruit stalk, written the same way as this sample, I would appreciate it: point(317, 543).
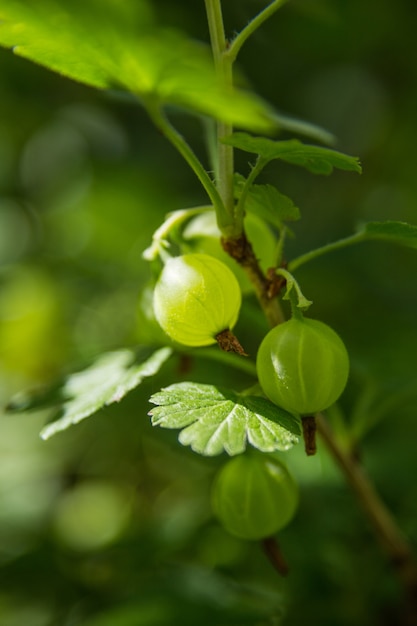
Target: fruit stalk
point(309, 434)
point(273, 551)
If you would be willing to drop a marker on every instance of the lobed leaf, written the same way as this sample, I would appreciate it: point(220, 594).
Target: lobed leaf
point(267, 202)
point(397, 232)
point(316, 159)
point(214, 419)
point(111, 45)
point(106, 381)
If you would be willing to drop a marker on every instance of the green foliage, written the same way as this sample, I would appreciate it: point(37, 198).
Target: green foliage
point(391, 231)
point(267, 202)
point(111, 523)
point(106, 381)
point(316, 159)
point(215, 419)
point(101, 46)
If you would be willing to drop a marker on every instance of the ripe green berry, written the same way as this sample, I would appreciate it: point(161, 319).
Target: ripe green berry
point(196, 298)
point(303, 366)
point(254, 496)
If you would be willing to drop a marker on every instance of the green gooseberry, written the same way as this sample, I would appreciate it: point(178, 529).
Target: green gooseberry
point(254, 496)
point(196, 298)
point(302, 366)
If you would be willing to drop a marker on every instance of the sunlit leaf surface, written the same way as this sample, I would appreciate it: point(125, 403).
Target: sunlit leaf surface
point(111, 46)
point(213, 419)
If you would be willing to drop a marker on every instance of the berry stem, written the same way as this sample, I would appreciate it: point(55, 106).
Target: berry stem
point(309, 434)
point(273, 551)
point(228, 342)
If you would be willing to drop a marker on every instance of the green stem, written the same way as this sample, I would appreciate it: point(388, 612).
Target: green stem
point(335, 245)
point(257, 21)
point(296, 312)
point(254, 173)
point(234, 238)
point(178, 141)
point(233, 226)
point(279, 249)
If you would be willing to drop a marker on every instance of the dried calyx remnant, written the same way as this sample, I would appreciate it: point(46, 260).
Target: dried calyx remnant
point(228, 342)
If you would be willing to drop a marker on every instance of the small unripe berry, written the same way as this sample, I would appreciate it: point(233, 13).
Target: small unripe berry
point(254, 496)
point(303, 366)
point(196, 298)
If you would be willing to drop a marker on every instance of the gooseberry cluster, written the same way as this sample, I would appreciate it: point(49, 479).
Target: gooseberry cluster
point(302, 366)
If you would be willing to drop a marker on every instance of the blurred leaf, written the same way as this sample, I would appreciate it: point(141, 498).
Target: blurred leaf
point(151, 613)
point(107, 380)
point(267, 202)
point(301, 127)
point(316, 159)
point(31, 400)
point(33, 336)
point(104, 47)
point(397, 232)
point(216, 419)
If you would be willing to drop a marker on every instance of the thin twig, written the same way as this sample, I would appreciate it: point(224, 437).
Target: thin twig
point(390, 536)
point(253, 25)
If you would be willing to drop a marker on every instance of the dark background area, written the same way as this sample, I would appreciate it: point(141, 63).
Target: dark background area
point(109, 523)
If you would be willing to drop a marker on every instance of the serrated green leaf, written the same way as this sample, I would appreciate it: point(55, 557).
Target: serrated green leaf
point(267, 202)
point(399, 232)
point(316, 159)
point(78, 40)
point(214, 419)
point(108, 380)
point(101, 45)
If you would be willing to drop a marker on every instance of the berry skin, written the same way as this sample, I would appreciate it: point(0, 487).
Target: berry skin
point(254, 496)
point(303, 366)
point(196, 298)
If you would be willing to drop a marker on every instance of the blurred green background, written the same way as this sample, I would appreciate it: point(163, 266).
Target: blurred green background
point(109, 523)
